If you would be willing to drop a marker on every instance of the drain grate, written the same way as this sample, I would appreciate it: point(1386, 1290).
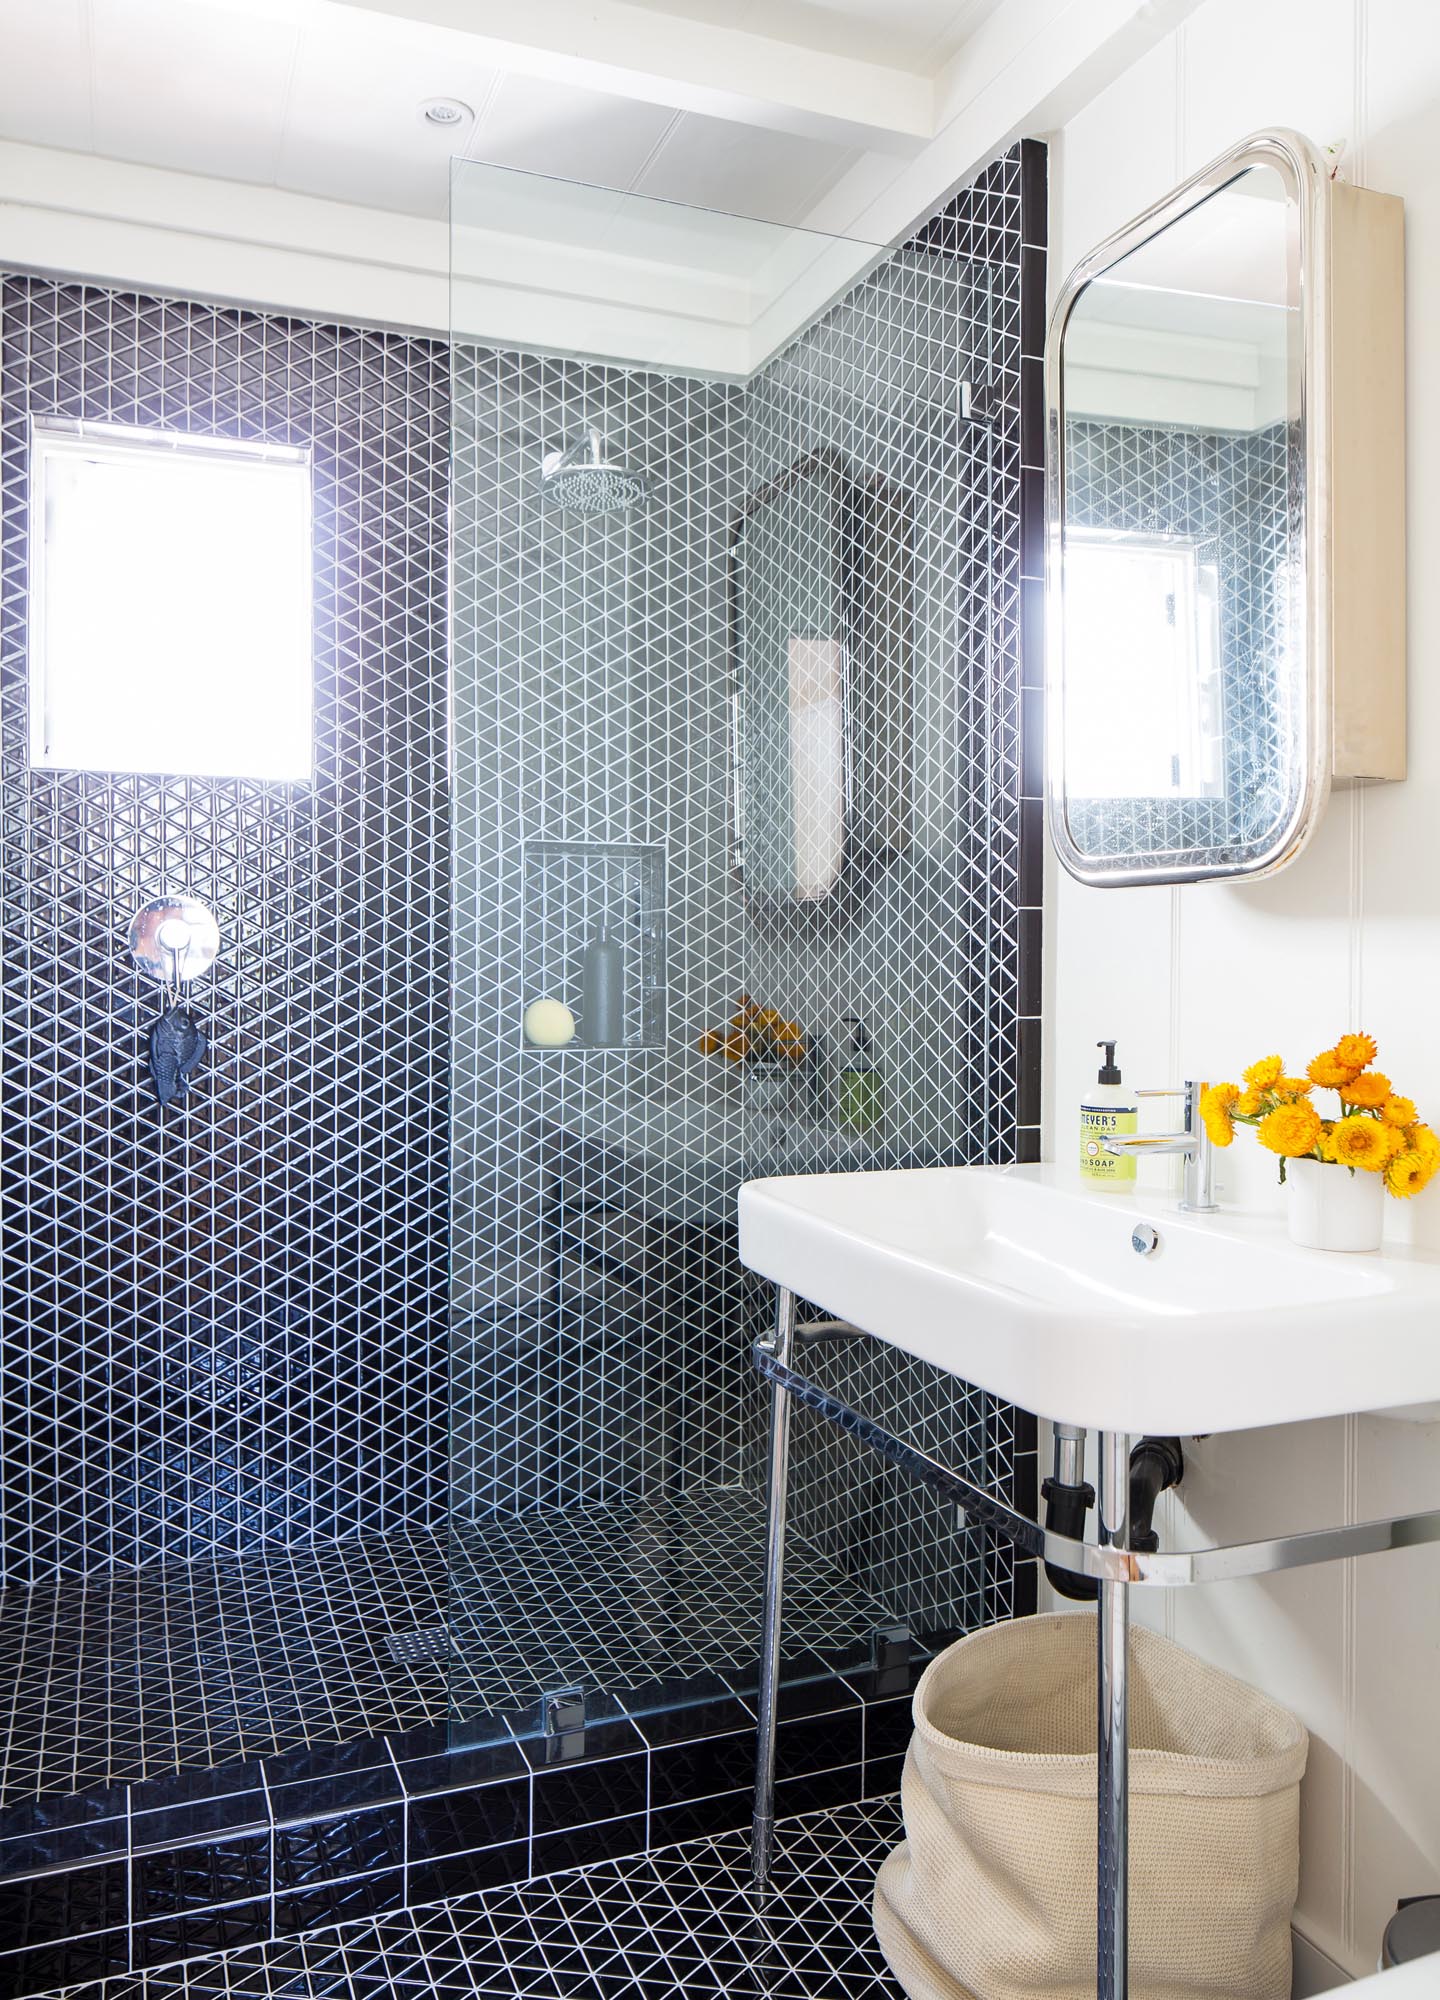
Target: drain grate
point(427, 1642)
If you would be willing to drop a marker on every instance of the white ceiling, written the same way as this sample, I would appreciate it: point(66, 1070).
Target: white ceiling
point(915, 34)
point(273, 151)
point(324, 100)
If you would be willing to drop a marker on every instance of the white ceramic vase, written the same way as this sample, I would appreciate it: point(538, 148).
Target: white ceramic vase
point(1333, 1208)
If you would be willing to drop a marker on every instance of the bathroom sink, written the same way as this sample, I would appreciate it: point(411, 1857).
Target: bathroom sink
point(1027, 1284)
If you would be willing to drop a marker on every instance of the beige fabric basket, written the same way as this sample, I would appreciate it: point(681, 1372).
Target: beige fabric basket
point(991, 1896)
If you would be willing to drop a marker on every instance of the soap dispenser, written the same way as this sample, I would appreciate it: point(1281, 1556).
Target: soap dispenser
point(860, 1095)
point(1107, 1111)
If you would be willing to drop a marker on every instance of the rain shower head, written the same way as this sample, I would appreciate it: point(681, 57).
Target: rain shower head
point(586, 479)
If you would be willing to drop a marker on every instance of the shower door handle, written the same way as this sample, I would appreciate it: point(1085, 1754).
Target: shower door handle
point(737, 785)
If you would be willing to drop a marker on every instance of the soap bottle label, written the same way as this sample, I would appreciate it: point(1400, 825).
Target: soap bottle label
point(1105, 1121)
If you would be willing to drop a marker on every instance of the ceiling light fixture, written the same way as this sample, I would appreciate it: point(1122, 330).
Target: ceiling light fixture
point(447, 111)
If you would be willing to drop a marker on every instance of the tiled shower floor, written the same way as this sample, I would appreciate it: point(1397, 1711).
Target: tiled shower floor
point(119, 1679)
point(678, 1923)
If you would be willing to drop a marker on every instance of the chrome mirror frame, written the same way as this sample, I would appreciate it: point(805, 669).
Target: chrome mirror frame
point(1308, 184)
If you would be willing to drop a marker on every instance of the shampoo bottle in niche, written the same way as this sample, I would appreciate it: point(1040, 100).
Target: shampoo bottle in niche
point(602, 991)
point(1107, 1111)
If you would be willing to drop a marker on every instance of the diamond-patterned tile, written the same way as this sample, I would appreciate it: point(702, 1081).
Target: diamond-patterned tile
point(233, 1413)
point(225, 1321)
point(179, 1667)
point(602, 1321)
point(680, 1923)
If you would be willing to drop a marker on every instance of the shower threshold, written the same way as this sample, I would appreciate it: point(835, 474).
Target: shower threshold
point(123, 1678)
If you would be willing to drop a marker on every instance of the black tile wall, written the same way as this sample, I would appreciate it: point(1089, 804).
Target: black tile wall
point(1034, 232)
point(941, 950)
point(598, 1289)
point(294, 1389)
point(224, 1321)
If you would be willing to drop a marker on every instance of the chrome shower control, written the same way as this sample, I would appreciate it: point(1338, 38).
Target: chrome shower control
point(1144, 1240)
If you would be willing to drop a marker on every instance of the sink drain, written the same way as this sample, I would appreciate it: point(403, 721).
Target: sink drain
point(427, 1642)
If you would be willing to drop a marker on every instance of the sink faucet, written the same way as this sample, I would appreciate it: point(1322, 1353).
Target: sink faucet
point(1198, 1191)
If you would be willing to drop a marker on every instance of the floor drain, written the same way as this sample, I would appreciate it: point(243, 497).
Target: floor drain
point(429, 1642)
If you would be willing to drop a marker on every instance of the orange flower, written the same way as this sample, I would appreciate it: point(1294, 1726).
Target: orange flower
point(1265, 1073)
point(1369, 1092)
point(1293, 1086)
point(1216, 1106)
point(1399, 1111)
point(1361, 1142)
point(1357, 1052)
point(1291, 1130)
point(1407, 1174)
point(1329, 1072)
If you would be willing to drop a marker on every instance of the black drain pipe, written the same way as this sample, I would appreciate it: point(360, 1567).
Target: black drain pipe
point(1068, 1499)
point(1156, 1464)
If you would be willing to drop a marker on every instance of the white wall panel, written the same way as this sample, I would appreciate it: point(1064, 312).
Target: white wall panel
point(1204, 979)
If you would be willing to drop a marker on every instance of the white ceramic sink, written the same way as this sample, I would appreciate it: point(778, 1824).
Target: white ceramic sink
point(1027, 1284)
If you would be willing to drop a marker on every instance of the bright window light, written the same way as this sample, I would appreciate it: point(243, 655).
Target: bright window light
point(170, 620)
point(1143, 668)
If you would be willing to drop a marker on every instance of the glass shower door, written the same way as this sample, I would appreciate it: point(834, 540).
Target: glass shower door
point(640, 1020)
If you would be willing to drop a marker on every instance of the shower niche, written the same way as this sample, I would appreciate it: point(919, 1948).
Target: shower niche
point(594, 938)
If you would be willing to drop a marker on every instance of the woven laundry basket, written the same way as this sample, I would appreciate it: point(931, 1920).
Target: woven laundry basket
point(991, 1896)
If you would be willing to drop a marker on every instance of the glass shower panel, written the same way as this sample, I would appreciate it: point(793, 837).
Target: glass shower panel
point(703, 468)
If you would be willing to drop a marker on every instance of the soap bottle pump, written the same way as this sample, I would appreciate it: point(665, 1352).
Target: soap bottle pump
point(1106, 1111)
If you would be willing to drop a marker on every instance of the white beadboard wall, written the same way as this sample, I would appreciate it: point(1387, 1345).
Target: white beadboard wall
point(1204, 979)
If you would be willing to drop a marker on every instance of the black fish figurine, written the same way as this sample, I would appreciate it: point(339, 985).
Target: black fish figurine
point(177, 1044)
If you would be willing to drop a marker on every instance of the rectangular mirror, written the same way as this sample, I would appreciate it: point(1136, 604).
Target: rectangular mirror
point(821, 703)
point(1196, 447)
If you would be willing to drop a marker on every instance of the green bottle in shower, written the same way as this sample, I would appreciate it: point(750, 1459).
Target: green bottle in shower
point(859, 1087)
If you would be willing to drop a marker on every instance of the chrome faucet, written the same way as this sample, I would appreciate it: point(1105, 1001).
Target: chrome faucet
point(1198, 1190)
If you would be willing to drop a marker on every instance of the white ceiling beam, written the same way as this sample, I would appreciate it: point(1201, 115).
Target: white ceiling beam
point(629, 51)
point(198, 237)
point(1027, 69)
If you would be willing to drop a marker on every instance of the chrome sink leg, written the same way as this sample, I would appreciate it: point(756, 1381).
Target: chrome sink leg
point(780, 1344)
point(1112, 1874)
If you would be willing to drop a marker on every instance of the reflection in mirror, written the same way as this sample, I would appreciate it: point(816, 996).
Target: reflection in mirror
point(822, 647)
point(1144, 674)
point(1181, 570)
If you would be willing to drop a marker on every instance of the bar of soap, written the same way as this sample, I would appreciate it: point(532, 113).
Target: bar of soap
point(549, 1024)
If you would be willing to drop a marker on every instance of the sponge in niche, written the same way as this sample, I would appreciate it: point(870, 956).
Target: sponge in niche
point(549, 1024)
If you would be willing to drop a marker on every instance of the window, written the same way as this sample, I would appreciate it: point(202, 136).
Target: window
point(1143, 668)
point(170, 619)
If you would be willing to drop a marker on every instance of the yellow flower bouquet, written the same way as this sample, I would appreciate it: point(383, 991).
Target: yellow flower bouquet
point(1376, 1130)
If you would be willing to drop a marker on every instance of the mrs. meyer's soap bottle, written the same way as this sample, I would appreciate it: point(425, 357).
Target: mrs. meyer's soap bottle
point(1107, 1110)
